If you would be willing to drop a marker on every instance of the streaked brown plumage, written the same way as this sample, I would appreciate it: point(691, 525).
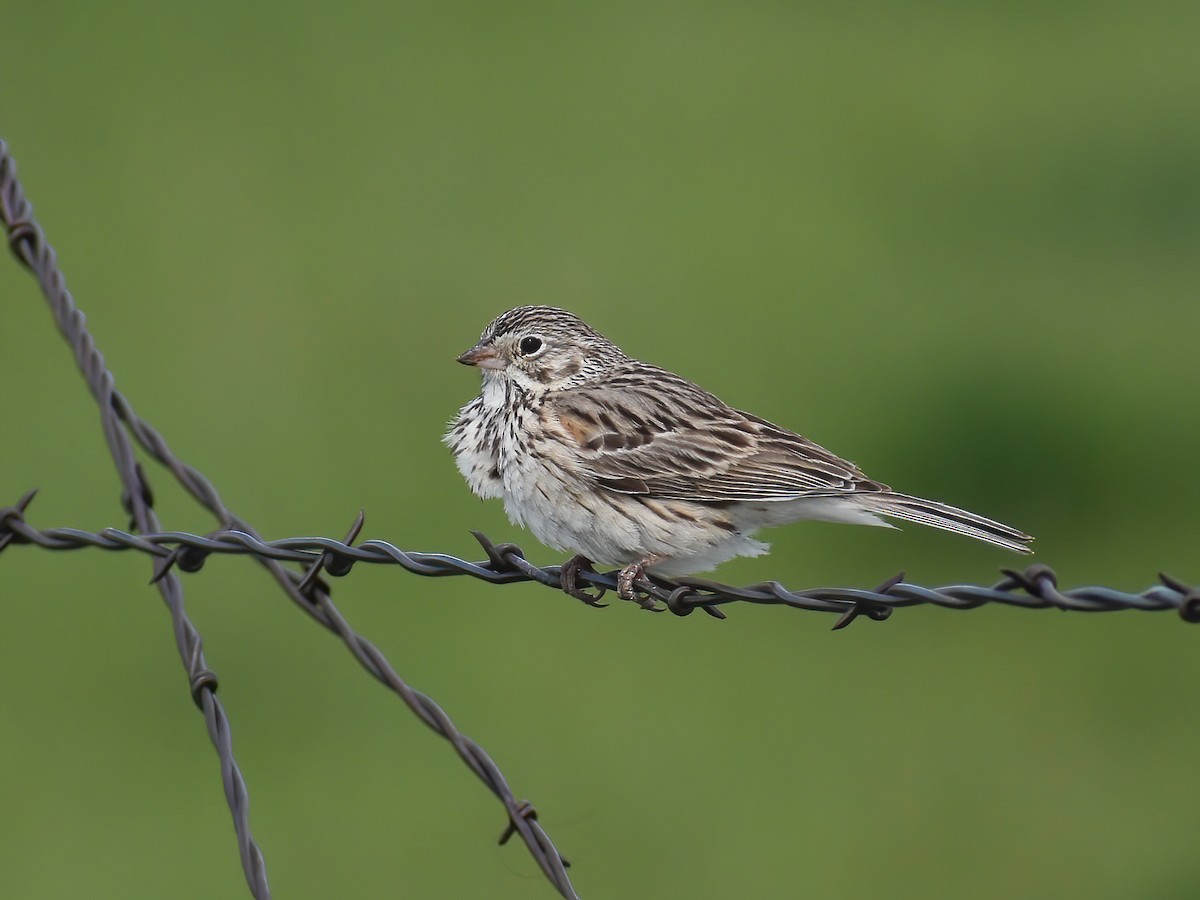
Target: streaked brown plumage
point(622, 462)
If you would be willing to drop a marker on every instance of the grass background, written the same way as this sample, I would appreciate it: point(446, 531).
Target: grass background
point(955, 243)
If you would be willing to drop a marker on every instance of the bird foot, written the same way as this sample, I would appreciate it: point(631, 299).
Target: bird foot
point(626, 579)
point(569, 579)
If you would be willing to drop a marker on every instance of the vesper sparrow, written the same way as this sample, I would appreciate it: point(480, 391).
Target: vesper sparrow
point(622, 462)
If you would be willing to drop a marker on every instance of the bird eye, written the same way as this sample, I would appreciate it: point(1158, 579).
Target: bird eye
point(530, 345)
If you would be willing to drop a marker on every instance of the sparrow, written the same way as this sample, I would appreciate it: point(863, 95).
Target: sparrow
point(621, 462)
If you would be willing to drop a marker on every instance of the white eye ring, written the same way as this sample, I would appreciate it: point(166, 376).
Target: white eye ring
point(531, 346)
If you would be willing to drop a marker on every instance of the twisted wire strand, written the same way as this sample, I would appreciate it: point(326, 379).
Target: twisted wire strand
point(121, 423)
point(1035, 587)
point(34, 252)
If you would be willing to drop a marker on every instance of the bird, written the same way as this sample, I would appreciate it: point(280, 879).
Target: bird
point(620, 462)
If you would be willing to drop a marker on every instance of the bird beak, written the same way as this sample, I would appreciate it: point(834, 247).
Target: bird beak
point(482, 356)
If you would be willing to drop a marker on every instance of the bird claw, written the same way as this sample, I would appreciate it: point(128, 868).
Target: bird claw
point(569, 579)
point(626, 579)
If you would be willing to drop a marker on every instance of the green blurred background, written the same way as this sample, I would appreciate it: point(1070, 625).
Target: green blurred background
point(957, 243)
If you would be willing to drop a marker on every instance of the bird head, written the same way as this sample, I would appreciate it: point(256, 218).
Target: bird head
point(541, 348)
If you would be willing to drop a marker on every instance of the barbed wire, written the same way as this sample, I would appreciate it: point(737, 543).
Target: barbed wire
point(123, 429)
point(1034, 587)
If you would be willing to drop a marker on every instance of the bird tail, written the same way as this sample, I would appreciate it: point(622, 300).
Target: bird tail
point(948, 518)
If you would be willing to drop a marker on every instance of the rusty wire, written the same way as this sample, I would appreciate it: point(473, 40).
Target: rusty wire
point(123, 429)
point(1034, 587)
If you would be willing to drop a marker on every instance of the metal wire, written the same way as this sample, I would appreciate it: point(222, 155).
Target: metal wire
point(123, 428)
point(1035, 587)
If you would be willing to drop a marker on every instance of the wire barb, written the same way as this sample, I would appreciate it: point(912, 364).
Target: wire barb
point(10, 515)
point(125, 431)
point(1035, 587)
point(1189, 604)
point(870, 610)
point(331, 561)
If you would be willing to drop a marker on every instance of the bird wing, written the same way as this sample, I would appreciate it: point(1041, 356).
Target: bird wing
point(648, 432)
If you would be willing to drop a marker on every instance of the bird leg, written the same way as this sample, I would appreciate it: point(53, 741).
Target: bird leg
point(569, 579)
point(632, 573)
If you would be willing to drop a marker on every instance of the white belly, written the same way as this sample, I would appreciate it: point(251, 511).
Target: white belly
point(500, 451)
